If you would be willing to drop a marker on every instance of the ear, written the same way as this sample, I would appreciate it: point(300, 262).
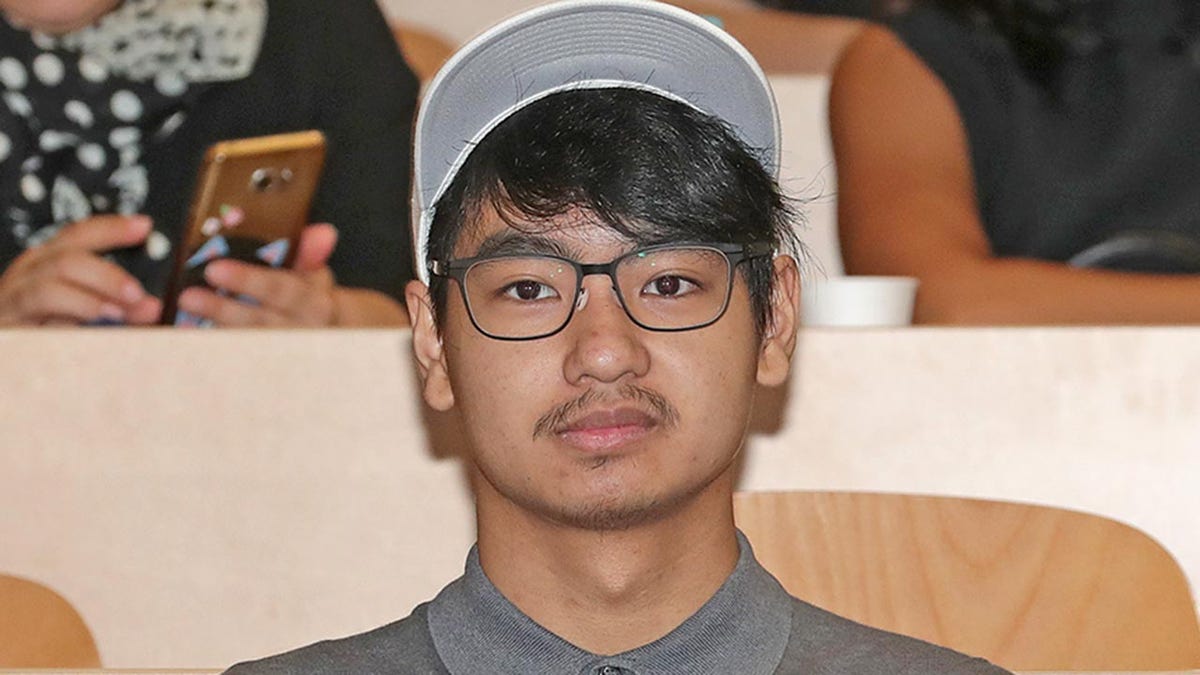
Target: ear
point(779, 340)
point(427, 347)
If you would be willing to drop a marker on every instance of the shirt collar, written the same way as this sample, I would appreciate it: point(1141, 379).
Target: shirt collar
point(743, 628)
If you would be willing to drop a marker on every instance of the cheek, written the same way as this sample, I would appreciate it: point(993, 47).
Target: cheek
point(711, 378)
point(505, 385)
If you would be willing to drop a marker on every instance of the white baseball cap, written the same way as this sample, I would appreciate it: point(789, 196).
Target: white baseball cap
point(582, 44)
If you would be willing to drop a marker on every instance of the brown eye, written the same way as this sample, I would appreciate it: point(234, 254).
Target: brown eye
point(528, 290)
point(667, 285)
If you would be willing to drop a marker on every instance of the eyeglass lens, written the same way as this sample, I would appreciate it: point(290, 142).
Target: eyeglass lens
point(666, 289)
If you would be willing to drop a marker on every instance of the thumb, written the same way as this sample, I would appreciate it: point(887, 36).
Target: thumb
point(316, 245)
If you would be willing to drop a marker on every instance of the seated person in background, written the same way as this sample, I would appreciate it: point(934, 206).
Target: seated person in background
point(782, 41)
point(609, 283)
point(107, 109)
point(859, 8)
point(1030, 161)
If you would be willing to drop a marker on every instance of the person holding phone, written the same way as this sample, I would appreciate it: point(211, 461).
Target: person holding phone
point(1030, 161)
point(106, 110)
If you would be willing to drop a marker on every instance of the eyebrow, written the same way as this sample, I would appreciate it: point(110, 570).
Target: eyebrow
point(510, 242)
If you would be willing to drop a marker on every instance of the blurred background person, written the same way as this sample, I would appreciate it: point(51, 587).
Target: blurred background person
point(1031, 161)
point(107, 109)
point(800, 36)
point(860, 8)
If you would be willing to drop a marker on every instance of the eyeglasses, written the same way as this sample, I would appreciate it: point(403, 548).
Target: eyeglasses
point(672, 287)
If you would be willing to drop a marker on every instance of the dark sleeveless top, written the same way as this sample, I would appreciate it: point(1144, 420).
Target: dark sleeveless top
point(1104, 148)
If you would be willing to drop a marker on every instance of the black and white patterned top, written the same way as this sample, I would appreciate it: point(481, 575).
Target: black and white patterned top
point(80, 108)
point(115, 118)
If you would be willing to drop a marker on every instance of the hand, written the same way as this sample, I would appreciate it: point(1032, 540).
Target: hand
point(300, 296)
point(66, 281)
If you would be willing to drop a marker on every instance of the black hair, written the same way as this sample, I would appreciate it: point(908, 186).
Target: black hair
point(651, 168)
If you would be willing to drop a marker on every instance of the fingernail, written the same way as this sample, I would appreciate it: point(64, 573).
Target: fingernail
point(132, 292)
point(187, 301)
point(216, 274)
point(141, 222)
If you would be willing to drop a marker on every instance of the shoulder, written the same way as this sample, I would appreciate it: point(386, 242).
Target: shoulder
point(892, 90)
point(825, 643)
point(956, 51)
point(403, 647)
point(878, 84)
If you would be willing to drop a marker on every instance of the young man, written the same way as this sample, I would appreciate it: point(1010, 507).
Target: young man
point(608, 283)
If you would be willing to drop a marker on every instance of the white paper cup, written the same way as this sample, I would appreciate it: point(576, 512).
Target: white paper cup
point(858, 301)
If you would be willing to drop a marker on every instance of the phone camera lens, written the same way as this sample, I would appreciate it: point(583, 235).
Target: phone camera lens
point(262, 179)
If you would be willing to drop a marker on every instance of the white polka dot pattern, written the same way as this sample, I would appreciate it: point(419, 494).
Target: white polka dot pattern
point(92, 69)
point(49, 69)
point(158, 246)
point(92, 156)
point(32, 188)
point(126, 106)
point(12, 73)
point(18, 104)
point(80, 111)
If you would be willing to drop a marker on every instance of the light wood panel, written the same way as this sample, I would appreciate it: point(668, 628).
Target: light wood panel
point(1027, 587)
point(40, 629)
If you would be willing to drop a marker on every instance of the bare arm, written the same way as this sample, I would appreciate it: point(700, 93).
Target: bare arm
point(907, 206)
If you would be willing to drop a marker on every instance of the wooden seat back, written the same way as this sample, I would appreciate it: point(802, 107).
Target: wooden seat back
point(1027, 587)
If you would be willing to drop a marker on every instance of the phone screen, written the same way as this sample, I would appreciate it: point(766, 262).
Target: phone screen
point(251, 204)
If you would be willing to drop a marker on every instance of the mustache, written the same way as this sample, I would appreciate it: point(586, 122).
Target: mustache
point(562, 415)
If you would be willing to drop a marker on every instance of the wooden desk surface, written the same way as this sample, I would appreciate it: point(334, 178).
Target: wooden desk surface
point(204, 498)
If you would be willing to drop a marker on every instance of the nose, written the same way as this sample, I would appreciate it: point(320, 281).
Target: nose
point(606, 345)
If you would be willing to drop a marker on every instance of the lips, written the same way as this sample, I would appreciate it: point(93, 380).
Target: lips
point(607, 429)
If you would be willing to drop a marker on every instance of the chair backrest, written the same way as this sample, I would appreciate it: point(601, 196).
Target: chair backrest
point(424, 50)
point(1027, 587)
point(40, 629)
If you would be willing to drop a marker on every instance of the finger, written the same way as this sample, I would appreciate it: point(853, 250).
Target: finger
point(97, 275)
point(146, 312)
point(227, 311)
point(316, 245)
point(304, 298)
point(101, 233)
point(60, 300)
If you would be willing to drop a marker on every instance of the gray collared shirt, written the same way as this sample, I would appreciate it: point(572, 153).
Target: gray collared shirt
point(751, 625)
point(743, 628)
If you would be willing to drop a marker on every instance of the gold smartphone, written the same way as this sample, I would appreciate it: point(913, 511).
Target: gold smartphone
point(251, 202)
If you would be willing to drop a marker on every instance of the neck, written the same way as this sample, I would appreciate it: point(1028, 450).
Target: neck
point(609, 591)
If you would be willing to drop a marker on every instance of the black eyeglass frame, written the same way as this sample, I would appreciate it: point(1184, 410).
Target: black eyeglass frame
point(458, 268)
